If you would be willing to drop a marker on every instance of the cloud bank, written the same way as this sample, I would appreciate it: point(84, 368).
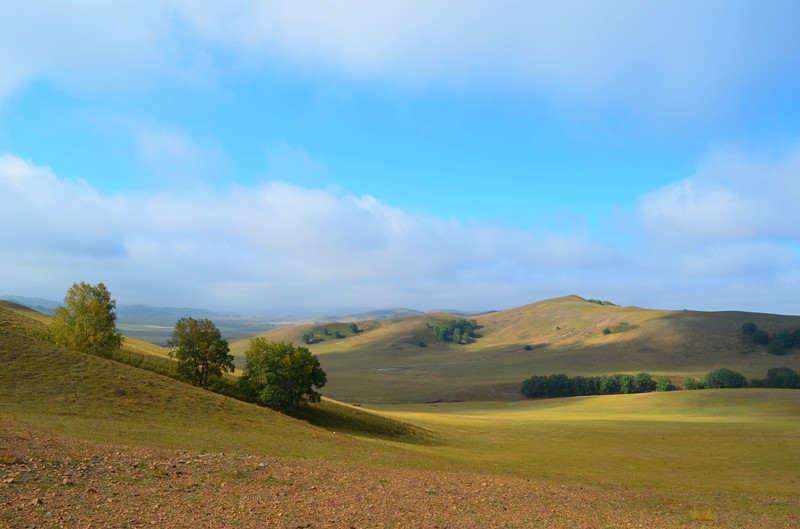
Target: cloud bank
point(700, 243)
point(666, 58)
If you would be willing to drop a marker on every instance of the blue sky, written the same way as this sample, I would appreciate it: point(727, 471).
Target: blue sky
point(470, 155)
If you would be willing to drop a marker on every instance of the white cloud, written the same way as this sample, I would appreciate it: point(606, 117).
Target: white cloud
point(732, 197)
point(662, 57)
point(277, 244)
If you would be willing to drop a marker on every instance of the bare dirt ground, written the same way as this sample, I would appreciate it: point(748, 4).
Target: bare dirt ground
point(48, 480)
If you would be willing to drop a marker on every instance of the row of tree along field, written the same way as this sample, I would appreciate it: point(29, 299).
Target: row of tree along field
point(561, 385)
point(778, 344)
point(278, 374)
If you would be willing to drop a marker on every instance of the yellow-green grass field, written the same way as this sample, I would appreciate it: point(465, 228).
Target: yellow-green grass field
point(742, 441)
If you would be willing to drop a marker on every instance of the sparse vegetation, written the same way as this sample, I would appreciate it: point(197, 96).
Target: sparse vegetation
point(600, 302)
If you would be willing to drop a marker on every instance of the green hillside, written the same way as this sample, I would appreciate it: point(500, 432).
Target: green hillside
point(401, 360)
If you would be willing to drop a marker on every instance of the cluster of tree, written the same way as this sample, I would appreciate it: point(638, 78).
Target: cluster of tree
point(458, 331)
point(777, 344)
point(778, 377)
point(563, 386)
point(601, 302)
point(308, 337)
point(278, 375)
point(718, 378)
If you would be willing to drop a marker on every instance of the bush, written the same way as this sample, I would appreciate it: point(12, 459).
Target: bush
point(761, 337)
point(664, 383)
point(785, 338)
point(779, 377)
point(645, 383)
point(724, 378)
point(748, 328)
point(691, 383)
point(776, 348)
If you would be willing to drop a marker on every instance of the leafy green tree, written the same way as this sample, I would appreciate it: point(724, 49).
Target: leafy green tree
point(558, 386)
point(338, 334)
point(761, 337)
point(785, 338)
point(645, 383)
point(87, 321)
point(748, 328)
point(200, 350)
point(280, 375)
point(308, 337)
point(724, 378)
point(609, 385)
point(783, 377)
point(535, 386)
point(664, 383)
point(691, 383)
point(627, 383)
point(353, 328)
point(457, 335)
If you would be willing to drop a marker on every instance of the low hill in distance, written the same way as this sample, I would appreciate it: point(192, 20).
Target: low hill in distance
point(402, 360)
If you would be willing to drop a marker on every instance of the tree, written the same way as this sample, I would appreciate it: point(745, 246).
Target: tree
point(200, 350)
point(645, 383)
point(776, 347)
point(308, 337)
point(280, 375)
point(783, 377)
point(761, 337)
point(748, 328)
point(87, 321)
point(664, 383)
point(724, 378)
point(353, 328)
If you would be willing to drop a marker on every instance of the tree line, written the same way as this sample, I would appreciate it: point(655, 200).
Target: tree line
point(561, 385)
point(778, 344)
point(277, 374)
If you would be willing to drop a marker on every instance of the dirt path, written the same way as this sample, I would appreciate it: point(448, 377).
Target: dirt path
point(52, 481)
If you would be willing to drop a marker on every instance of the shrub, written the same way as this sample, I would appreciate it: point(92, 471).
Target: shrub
point(776, 348)
point(645, 383)
point(664, 383)
point(761, 337)
point(691, 383)
point(724, 378)
point(748, 328)
point(527, 347)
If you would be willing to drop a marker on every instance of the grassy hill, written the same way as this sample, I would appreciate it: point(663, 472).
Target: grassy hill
point(688, 459)
point(401, 360)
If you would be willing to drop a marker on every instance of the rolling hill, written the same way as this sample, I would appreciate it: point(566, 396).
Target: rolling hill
point(401, 360)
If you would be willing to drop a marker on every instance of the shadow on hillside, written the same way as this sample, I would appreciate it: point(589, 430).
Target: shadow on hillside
point(337, 417)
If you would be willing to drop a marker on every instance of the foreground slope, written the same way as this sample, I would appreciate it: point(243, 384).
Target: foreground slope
point(401, 360)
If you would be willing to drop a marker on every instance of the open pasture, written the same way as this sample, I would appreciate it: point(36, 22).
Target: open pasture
point(742, 441)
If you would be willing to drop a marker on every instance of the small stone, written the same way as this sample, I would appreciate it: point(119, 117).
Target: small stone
point(91, 490)
point(9, 480)
point(37, 501)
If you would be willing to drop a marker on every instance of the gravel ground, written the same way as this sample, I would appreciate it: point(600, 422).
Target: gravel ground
point(48, 480)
